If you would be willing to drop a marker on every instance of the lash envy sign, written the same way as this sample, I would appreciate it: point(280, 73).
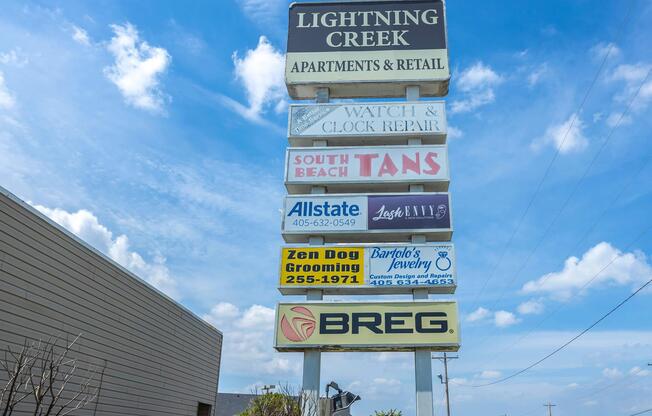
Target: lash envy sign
point(383, 123)
point(367, 49)
point(367, 326)
point(387, 168)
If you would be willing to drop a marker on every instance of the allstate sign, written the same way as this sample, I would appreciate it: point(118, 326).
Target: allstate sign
point(375, 217)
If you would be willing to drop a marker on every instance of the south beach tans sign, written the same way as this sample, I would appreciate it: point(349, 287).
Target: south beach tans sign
point(367, 218)
point(367, 49)
point(368, 269)
point(388, 168)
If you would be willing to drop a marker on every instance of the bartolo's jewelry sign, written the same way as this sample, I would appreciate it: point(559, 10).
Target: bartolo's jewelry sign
point(367, 123)
point(367, 218)
point(388, 168)
point(367, 326)
point(367, 49)
point(358, 269)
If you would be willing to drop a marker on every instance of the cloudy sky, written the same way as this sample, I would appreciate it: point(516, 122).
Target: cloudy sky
point(155, 131)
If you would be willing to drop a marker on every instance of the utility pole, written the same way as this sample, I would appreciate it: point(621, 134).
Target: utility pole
point(444, 381)
point(549, 406)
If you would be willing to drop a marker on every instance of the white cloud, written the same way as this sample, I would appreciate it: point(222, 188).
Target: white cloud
point(386, 382)
point(602, 49)
point(261, 71)
point(503, 319)
point(478, 315)
point(618, 119)
point(263, 11)
point(489, 374)
point(258, 316)
point(14, 57)
point(476, 84)
point(537, 74)
point(612, 373)
point(531, 307)
point(639, 372)
point(634, 77)
point(454, 133)
point(7, 100)
point(86, 226)
point(604, 262)
point(137, 68)
point(80, 36)
point(566, 137)
point(248, 336)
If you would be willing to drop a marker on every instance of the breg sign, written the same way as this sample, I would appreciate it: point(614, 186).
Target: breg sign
point(367, 48)
point(367, 326)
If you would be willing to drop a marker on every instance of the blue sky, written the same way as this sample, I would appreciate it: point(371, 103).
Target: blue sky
point(155, 131)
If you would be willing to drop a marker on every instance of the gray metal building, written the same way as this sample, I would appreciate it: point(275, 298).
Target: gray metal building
point(232, 404)
point(160, 359)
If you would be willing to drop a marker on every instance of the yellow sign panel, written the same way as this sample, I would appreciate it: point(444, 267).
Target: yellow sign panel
point(320, 266)
point(367, 326)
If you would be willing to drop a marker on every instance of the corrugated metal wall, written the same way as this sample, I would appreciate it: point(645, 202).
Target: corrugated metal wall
point(160, 358)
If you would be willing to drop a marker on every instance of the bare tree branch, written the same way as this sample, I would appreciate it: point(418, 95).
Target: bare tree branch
point(39, 373)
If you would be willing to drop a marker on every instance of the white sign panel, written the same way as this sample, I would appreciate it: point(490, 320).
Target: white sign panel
point(386, 168)
point(348, 123)
point(414, 265)
point(325, 214)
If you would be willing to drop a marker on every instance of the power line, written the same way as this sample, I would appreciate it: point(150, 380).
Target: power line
point(558, 214)
point(554, 158)
point(600, 390)
point(604, 144)
point(579, 291)
point(640, 413)
point(614, 309)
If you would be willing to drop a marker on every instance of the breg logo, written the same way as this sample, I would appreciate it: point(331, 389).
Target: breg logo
point(299, 325)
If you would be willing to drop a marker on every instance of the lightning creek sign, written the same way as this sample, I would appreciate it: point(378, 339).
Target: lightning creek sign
point(367, 49)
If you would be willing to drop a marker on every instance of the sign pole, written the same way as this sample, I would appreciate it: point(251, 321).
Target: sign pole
point(422, 359)
point(312, 358)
